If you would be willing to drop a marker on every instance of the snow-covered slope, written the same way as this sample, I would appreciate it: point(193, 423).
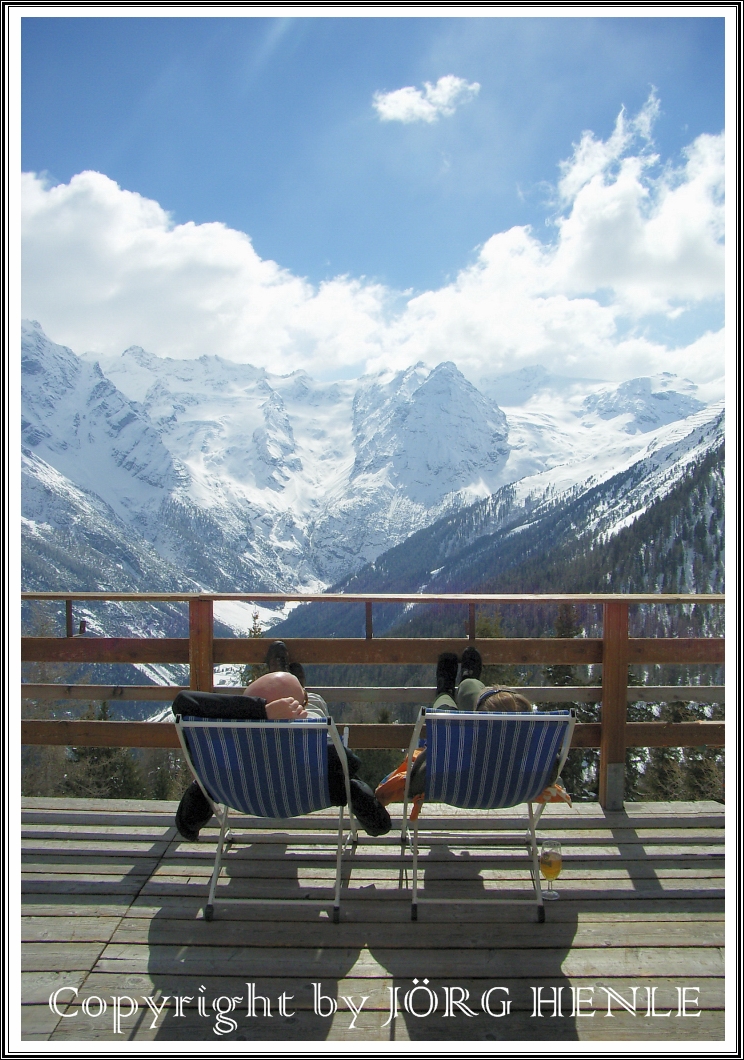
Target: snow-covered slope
point(76, 419)
point(322, 477)
point(635, 477)
point(555, 418)
point(75, 540)
point(644, 404)
point(242, 479)
point(509, 534)
point(238, 479)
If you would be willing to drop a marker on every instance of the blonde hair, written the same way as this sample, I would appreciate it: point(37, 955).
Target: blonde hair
point(503, 700)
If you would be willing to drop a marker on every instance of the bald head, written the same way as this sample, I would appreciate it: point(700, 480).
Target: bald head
point(277, 685)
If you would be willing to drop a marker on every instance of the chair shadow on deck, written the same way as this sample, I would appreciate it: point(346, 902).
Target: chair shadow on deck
point(254, 952)
point(288, 948)
point(461, 951)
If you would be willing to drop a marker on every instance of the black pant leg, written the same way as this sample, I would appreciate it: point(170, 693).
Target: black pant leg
point(336, 784)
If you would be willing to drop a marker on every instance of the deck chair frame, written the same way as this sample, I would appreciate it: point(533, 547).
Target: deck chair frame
point(410, 830)
point(221, 811)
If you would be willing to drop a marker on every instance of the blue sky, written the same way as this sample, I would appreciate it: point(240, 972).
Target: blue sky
point(345, 195)
point(268, 124)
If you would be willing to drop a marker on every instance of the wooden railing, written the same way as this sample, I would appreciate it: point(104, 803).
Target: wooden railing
point(614, 651)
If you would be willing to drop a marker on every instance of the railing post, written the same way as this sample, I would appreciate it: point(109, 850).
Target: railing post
point(201, 634)
point(68, 618)
point(471, 621)
point(614, 706)
point(368, 618)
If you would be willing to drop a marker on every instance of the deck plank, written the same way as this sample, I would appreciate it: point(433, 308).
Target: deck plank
point(68, 929)
point(289, 868)
point(38, 986)
point(74, 905)
point(467, 887)
point(60, 956)
point(85, 883)
point(638, 961)
point(407, 935)
point(616, 911)
point(305, 1026)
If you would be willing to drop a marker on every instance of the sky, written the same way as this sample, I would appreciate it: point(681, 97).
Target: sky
point(343, 195)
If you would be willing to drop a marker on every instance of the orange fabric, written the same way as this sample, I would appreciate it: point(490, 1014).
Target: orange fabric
point(554, 793)
point(418, 802)
point(392, 788)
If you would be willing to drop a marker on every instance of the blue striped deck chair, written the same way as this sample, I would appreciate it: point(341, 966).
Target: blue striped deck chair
point(484, 761)
point(269, 769)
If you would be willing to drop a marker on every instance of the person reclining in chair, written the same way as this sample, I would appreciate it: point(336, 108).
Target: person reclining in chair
point(470, 695)
point(278, 695)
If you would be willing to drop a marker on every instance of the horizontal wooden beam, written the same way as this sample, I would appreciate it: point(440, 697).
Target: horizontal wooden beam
point(676, 650)
point(393, 651)
point(401, 651)
point(675, 734)
point(657, 734)
point(325, 651)
point(394, 598)
point(676, 694)
point(105, 649)
point(382, 694)
point(162, 734)
point(101, 693)
point(99, 733)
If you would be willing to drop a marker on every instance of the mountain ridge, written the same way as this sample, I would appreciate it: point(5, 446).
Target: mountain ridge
point(221, 476)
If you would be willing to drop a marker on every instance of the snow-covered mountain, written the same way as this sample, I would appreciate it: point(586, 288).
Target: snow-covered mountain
point(553, 418)
point(645, 403)
point(241, 479)
point(226, 476)
point(77, 420)
point(503, 542)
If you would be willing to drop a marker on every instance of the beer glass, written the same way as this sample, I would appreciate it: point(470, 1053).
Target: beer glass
point(551, 863)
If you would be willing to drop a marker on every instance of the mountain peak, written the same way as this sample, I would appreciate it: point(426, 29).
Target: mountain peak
point(139, 356)
point(647, 402)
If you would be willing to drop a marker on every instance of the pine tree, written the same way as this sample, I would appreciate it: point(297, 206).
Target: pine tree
point(636, 758)
point(663, 778)
point(165, 773)
point(703, 775)
point(567, 624)
point(252, 671)
point(103, 772)
point(498, 674)
point(703, 769)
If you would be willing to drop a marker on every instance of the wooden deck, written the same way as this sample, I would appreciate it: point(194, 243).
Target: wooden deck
point(112, 906)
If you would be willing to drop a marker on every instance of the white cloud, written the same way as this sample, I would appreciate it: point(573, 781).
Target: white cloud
point(593, 157)
point(105, 268)
point(653, 243)
point(411, 104)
